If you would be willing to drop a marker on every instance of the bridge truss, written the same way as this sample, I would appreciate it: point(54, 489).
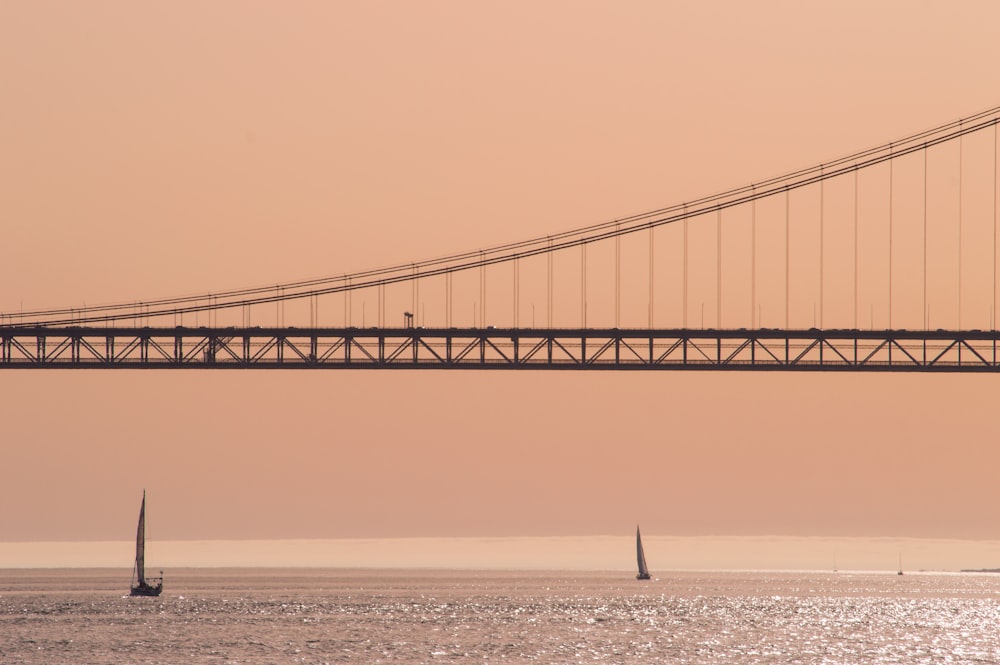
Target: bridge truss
point(499, 349)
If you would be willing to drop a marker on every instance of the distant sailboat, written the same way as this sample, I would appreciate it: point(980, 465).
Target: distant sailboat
point(140, 585)
point(641, 557)
point(900, 571)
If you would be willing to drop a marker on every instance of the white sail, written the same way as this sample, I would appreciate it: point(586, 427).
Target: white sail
point(140, 543)
point(641, 557)
point(140, 585)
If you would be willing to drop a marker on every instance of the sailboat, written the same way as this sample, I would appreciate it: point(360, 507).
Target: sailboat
point(900, 571)
point(640, 556)
point(141, 586)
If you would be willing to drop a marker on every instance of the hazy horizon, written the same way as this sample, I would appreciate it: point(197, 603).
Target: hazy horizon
point(569, 553)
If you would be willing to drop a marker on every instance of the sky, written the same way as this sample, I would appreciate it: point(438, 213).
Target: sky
point(170, 149)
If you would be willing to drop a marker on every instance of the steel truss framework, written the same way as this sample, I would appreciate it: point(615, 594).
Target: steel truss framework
point(494, 349)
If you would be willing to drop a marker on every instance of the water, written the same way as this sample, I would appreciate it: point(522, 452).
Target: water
point(365, 616)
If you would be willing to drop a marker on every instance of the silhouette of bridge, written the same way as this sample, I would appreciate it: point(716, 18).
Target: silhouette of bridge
point(899, 228)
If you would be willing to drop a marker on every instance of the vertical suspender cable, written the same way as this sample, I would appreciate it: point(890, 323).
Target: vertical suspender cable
point(718, 267)
point(651, 237)
point(548, 255)
point(618, 274)
point(960, 141)
point(787, 255)
point(583, 285)
point(753, 257)
point(855, 248)
point(684, 304)
point(890, 236)
point(821, 192)
point(924, 312)
point(517, 291)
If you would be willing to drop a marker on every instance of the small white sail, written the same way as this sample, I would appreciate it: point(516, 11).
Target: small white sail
point(140, 544)
point(641, 557)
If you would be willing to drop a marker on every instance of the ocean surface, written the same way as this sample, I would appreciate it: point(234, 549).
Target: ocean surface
point(432, 616)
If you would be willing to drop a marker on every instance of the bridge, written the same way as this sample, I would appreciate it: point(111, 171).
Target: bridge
point(907, 228)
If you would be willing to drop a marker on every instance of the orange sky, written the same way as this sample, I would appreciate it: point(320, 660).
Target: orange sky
point(185, 148)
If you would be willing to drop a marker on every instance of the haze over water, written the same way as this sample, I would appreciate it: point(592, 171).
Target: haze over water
point(586, 553)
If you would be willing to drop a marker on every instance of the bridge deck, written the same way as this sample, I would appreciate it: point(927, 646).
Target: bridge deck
point(32, 347)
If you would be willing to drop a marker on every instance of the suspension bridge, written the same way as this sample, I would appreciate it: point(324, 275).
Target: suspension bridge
point(845, 262)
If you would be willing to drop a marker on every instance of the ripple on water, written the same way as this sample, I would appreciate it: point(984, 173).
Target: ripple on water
point(465, 617)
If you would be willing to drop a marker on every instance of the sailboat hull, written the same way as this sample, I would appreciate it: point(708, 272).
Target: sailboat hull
point(146, 590)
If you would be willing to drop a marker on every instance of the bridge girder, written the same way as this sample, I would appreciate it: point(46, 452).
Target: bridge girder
point(495, 349)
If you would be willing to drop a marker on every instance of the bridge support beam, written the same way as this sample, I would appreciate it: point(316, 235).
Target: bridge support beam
point(511, 348)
